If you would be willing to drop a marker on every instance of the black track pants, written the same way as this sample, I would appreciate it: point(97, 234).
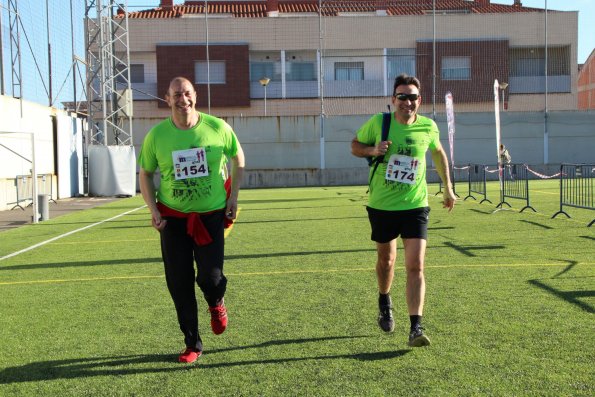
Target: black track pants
point(179, 252)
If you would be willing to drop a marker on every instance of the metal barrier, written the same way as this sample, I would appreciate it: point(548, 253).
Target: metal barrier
point(577, 185)
point(515, 185)
point(477, 182)
point(454, 176)
point(24, 189)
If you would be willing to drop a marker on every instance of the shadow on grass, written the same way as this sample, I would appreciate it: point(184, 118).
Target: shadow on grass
point(141, 261)
point(361, 356)
point(536, 224)
point(301, 219)
point(137, 364)
point(480, 211)
point(289, 200)
point(466, 249)
point(273, 209)
point(568, 268)
point(568, 296)
point(588, 237)
point(130, 261)
point(303, 253)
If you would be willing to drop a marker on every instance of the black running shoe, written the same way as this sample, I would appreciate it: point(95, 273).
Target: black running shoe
point(417, 338)
point(385, 318)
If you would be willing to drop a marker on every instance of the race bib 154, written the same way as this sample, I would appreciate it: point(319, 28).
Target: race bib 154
point(190, 163)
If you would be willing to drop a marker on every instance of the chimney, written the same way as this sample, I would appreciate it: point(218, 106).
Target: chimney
point(167, 4)
point(272, 8)
point(517, 3)
point(381, 8)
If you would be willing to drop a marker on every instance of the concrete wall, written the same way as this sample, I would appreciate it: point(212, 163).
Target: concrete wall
point(286, 151)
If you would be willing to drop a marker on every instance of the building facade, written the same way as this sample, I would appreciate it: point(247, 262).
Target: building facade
point(348, 53)
point(586, 83)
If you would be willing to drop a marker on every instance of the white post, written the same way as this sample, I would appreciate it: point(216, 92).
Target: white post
point(34, 180)
point(265, 100)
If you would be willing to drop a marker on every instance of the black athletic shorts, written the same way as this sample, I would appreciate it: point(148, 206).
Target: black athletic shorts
point(388, 225)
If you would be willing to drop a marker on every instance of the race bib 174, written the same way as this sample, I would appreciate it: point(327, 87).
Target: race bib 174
point(402, 169)
point(190, 163)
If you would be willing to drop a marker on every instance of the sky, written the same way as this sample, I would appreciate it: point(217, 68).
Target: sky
point(586, 20)
point(586, 17)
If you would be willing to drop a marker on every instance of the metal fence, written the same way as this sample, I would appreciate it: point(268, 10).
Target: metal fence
point(515, 185)
point(477, 182)
point(577, 187)
point(24, 189)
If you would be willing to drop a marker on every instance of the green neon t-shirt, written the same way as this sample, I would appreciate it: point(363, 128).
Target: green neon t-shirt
point(405, 187)
point(167, 147)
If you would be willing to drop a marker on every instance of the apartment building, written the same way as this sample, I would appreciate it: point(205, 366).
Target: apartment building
point(348, 52)
point(586, 83)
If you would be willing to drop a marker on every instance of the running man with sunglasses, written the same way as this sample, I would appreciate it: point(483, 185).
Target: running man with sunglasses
point(398, 201)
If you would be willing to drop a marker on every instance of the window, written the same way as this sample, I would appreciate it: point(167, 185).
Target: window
point(213, 72)
point(258, 70)
point(456, 68)
point(528, 67)
point(399, 61)
point(137, 73)
point(349, 70)
point(300, 71)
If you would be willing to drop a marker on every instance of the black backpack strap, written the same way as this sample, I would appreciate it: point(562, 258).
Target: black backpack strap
point(386, 119)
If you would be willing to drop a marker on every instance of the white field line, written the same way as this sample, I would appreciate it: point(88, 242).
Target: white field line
point(285, 272)
point(68, 234)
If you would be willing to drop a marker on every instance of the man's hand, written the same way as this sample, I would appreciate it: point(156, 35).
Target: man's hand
point(448, 199)
point(382, 148)
point(231, 210)
point(157, 222)
point(359, 149)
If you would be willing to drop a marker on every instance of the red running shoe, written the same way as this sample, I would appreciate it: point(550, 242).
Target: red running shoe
point(189, 355)
point(218, 318)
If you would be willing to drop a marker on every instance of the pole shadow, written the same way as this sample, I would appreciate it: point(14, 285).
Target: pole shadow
point(568, 296)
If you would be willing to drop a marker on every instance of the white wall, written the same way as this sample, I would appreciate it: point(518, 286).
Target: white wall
point(61, 145)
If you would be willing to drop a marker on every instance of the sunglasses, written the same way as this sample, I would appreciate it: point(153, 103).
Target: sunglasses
point(404, 97)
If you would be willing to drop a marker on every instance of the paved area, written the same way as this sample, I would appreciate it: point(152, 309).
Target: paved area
point(17, 217)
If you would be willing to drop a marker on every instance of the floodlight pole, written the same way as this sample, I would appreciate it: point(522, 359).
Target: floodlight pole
point(264, 82)
point(434, 60)
point(321, 86)
point(545, 113)
point(207, 56)
point(503, 87)
point(1, 57)
point(47, 24)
